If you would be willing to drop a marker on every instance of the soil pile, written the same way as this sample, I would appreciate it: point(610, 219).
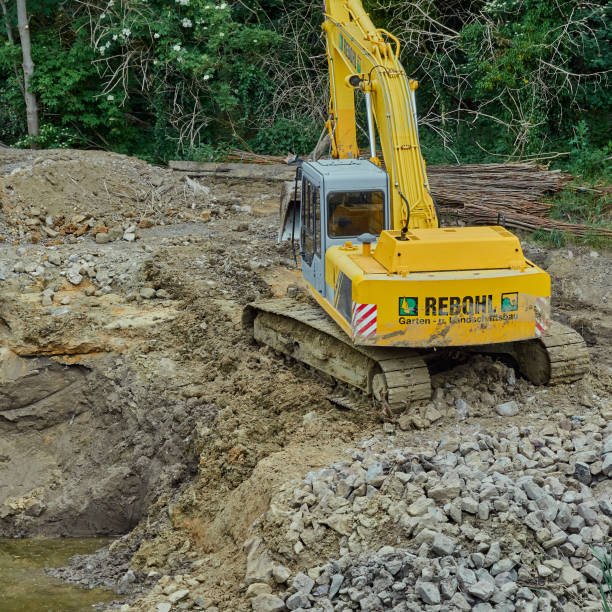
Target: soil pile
point(62, 193)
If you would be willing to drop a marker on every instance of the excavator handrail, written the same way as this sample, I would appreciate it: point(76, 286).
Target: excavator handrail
point(394, 39)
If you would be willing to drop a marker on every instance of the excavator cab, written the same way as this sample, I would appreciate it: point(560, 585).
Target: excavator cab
point(341, 200)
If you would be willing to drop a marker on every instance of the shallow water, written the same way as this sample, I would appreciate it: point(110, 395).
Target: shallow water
point(24, 586)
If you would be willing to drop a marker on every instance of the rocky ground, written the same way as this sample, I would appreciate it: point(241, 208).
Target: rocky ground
point(132, 402)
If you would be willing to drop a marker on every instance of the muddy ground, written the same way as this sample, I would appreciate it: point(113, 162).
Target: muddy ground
point(132, 403)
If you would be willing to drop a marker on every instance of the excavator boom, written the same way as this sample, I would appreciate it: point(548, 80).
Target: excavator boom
point(361, 58)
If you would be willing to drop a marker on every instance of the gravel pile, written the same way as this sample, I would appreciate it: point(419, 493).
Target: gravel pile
point(499, 522)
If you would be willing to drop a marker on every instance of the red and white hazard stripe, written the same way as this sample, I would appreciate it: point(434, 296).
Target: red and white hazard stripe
point(542, 316)
point(364, 319)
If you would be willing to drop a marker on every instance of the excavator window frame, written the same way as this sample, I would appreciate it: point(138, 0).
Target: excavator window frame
point(310, 239)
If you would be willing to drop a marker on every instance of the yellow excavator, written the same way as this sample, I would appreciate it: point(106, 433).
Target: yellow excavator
point(392, 286)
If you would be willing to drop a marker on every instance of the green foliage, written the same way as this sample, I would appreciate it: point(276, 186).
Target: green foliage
point(12, 111)
point(197, 71)
point(579, 203)
point(51, 137)
point(554, 237)
point(208, 153)
point(587, 204)
point(287, 136)
point(509, 78)
point(586, 160)
point(193, 78)
point(606, 567)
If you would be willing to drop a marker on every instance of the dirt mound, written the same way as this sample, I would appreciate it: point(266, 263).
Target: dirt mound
point(59, 193)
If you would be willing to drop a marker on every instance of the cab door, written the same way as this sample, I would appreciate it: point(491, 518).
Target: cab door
point(312, 251)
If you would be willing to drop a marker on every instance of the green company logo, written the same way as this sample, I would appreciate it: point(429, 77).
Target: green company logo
point(509, 302)
point(408, 306)
point(350, 53)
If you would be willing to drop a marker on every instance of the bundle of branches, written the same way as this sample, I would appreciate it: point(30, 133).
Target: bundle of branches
point(515, 187)
point(481, 214)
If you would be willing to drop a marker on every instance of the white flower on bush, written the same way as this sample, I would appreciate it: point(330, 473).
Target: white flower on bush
point(126, 32)
point(177, 47)
point(156, 35)
point(182, 2)
point(221, 34)
point(206, 77)
point(110, 97)
point(115, 37)
point(187, 23)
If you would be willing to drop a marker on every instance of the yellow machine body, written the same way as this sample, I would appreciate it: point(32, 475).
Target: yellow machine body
point(439, 306)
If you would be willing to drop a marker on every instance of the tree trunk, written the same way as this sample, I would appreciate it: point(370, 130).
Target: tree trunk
point(11, 39)
point(28, 68)
point(9, 31)
point(256, 172)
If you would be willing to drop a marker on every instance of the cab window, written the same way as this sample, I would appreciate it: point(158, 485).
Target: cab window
point(351, 213)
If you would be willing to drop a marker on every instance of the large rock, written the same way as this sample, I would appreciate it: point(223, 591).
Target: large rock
point(570, 576)
point(178, 595)
point(267, 603)
point(606, 466)
point(259, 563)
point(340, 523)
point(370, 603)
point(507, 409)
point(445, 491)
point(336, 583)
point(443, 545)
point(483, 590)
point(303, 583)
point(298, 601)
point(420, 506)
point(428, 592)
point(466, 577)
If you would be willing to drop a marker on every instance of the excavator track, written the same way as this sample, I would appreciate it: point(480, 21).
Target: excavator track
point(396, 377)
point(307, 334)
point(560, 356)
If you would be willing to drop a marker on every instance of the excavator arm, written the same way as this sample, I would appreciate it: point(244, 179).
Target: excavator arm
point(361, 58)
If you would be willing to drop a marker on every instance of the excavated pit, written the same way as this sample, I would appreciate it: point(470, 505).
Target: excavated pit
point(78, 456)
